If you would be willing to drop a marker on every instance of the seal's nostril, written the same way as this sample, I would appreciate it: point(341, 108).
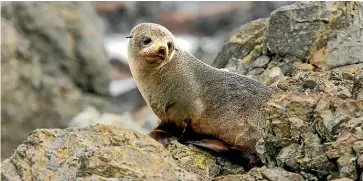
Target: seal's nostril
point(162, 51)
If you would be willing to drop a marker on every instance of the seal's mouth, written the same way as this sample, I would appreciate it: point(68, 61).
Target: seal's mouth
point(151, 57)
point(156, 57)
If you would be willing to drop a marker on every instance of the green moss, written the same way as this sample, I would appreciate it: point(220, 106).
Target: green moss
point(259, 40)
point(258, 48)
point(200, 161)
point(303, 66)
point(246, 59)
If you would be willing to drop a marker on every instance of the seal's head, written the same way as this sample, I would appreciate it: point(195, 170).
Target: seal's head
point(150, 44)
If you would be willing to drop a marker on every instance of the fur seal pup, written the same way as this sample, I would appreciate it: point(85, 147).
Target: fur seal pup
point(195, 102)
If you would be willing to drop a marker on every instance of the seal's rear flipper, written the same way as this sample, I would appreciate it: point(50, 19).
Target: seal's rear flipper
point(213, 144)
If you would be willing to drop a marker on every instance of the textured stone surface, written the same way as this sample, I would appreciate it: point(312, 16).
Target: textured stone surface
point(262, 174)
point(203, 163)
point(241, 43)
point(96, 152)
point(313, 127)
point(315, 117)
point(304, 35)
point(52, 66)
point(293, 29)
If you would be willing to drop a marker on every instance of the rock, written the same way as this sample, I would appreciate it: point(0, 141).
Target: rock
point(9, 39)
point(96, 152)
point(92, 116)
point(312, 59)
point(276, 174)
point(328, 36)
point(311, 124)
point(315, 116)
point(347, 166)
point(293, 29)
point(343, 179)
point(202, 163)
point(75, 31)
point(305, 35)
point(241, 43)
point(341, 83)
point(358, 85)
point(53, 66)
point(287, 157)
point(261, 61)
point(272, 75)
point(302, 66)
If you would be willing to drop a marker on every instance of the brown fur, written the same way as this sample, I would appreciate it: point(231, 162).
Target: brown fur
point(185, 92)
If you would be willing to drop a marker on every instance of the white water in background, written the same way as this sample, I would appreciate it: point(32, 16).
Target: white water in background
point(116, 45)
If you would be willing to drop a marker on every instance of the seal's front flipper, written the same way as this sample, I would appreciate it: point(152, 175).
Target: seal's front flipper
point(163, 133)
point(213, 144)
point(162, 136)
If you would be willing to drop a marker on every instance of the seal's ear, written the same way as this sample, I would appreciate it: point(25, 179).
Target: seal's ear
point(176, 48)
point(130, 36)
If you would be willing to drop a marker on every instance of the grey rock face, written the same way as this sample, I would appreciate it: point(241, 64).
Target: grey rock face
point(53, 66)
point(292, 30)
point(304, 35)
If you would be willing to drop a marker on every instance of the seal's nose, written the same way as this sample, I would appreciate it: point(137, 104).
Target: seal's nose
point(162, 51)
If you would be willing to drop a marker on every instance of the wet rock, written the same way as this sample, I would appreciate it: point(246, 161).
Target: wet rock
point(96, 152)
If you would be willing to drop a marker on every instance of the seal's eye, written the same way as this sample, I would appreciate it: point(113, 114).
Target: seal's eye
point(146, 40)
point(169, 45)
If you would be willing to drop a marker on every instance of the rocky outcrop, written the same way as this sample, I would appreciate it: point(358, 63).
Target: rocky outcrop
point(95, 152)
point(53, 65)
point(105, 152)
point(315, 116)
point(315, 125)
point(310, 53)
point(305, 35)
